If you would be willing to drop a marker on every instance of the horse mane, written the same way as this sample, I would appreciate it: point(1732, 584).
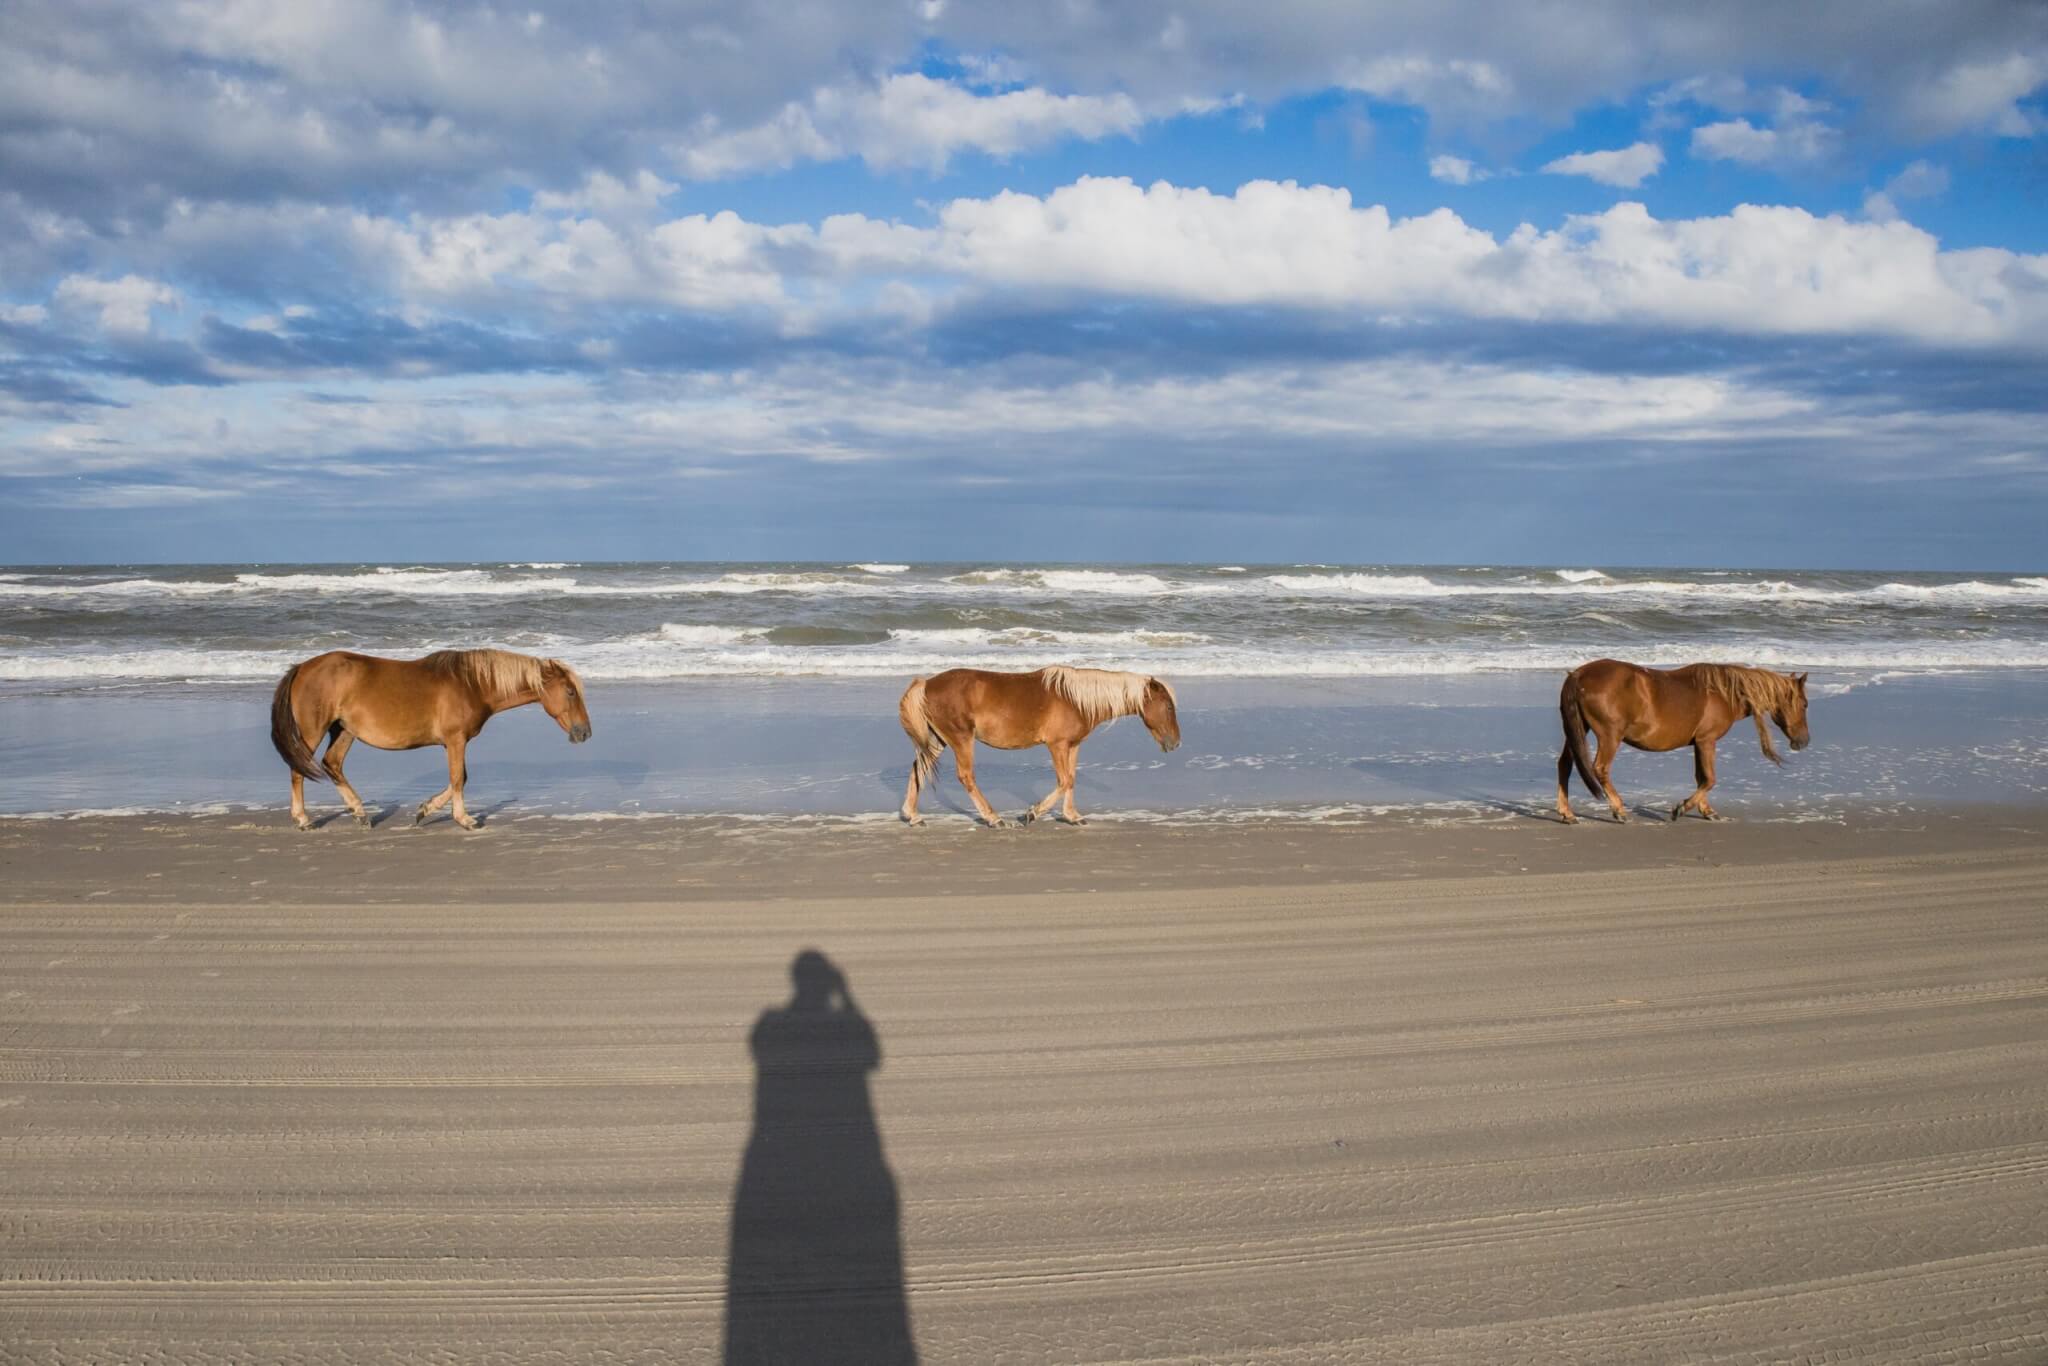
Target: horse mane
point(1100, 694)
point(499, 672)
point(1755, 693)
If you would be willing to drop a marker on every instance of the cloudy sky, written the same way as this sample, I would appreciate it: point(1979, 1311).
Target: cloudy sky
point(1410, 280)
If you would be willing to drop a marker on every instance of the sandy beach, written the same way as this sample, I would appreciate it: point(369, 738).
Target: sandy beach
point(1406, 1091)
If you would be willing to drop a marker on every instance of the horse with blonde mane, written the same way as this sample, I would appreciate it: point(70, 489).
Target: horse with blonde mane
point(1661, 709)
point(443, 699)
point(1055, 707)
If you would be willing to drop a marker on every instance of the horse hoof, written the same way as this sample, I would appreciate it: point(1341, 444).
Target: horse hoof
point(999, 824)
point(1621, 818)
point(363, 819)
point(302, 822)
point(1027, 818)
point(1077, 820)
point(468, 822)
point(912, 821)
point(1568, 818)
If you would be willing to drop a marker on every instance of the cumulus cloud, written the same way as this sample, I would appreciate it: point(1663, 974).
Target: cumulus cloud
point(906, 120)
point(114, 113)
point(1626, 167)
point(1795, 141)
point(1918, 180)
point(122, 306)
point(1455, 170)
point(1979, 95)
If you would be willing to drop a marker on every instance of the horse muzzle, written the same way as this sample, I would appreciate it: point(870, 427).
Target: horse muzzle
point(578, 734)
point(1802, 742)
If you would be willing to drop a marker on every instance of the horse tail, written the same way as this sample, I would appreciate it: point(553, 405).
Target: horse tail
point(284, 729)
point(1573, 709)
point(918, 726)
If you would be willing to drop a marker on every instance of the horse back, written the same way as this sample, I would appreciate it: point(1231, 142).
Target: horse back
point(1007, 710)
point(1653, 708)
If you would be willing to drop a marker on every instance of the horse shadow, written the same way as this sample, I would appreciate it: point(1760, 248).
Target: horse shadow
point(1407, 775)
point(814, 1271)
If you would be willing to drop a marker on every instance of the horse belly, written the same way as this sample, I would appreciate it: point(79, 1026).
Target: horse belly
point(383, 733)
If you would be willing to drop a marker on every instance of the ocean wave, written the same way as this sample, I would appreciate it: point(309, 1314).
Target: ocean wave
point(889, 581)
point(682, 652)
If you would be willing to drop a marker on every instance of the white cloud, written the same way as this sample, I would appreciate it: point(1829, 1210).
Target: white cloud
point(1981, 95)
point(123, 306)
point(1795, 140)
point(1918, 180)
point(1756, 269)
point(1626, 167)
point(906, 120)
point(1455, 170)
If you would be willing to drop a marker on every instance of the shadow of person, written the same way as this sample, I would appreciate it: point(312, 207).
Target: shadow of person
point(815, 1269)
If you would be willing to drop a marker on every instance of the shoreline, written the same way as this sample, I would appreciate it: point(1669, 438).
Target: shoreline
point(259, 857)
point(834, 747)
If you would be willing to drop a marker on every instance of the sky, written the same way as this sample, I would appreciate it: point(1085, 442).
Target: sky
point(1436, 281)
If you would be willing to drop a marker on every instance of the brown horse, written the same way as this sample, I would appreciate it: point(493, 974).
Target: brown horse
point(443, 699)
point(1055, 707)
point(1661, 709)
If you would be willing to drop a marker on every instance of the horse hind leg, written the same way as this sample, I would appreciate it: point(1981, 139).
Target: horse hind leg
point(1603, 765)
point(337, 750)
point(963, 764)
point(1564, 777)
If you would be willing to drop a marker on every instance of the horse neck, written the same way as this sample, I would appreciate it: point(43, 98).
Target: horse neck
point(505, 699)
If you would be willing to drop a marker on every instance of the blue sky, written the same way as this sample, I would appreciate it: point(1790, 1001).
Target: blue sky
point(1456, 282)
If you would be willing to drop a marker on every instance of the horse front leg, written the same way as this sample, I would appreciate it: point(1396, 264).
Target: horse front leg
point(1064, 761)
point(1062, 769)
point(1703, 772)
point(458, 775)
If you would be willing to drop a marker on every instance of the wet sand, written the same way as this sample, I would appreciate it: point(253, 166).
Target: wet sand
point(1409, 1092)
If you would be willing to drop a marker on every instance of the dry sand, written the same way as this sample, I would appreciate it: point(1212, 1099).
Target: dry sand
point(1455, 1094)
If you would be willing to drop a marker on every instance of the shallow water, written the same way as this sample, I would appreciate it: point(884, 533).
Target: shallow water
point(1472, 747)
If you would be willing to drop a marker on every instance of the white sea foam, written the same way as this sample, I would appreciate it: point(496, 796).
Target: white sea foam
point(881, 568)
point(1580, 575)
point(706, 652)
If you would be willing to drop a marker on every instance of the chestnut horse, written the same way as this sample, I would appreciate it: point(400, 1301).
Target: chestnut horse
point(1055, 707)
point(443, 699)
point(1661, 709)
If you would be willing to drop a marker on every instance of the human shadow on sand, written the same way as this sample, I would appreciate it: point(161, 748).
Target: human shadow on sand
point(815, 1271)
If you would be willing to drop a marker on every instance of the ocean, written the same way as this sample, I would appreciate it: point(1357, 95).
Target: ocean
point(98, 625)
point(1322, 691)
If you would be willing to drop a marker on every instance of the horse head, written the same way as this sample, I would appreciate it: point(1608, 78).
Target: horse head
point(561, 696)
point(1160, 716)
point(1791, 714)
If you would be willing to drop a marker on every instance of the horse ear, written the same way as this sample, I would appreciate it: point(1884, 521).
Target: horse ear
point(1800, 679)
